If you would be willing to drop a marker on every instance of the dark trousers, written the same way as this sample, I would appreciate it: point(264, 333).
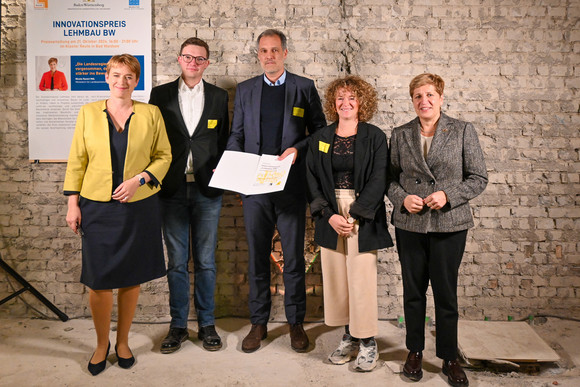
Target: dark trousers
point(262, 213)
point(435, 257)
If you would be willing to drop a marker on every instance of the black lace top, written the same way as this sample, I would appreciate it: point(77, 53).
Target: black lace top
point(343, 162)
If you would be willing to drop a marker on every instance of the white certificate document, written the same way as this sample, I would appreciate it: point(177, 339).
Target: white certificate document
point(251, 174)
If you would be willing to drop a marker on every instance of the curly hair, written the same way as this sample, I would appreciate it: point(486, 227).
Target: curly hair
point(363, 91)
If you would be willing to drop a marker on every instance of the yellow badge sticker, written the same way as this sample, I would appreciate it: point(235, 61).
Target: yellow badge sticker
point(323, 147)
point(298, 112)
point(211, 124)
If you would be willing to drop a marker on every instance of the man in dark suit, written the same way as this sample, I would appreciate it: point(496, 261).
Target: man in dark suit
point(197, 122)
point(272, 113)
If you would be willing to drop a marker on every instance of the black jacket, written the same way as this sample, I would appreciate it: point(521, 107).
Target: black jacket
point(370, 180)
point(207, 143)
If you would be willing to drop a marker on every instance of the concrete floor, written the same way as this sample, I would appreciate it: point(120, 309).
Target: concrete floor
point(36, 352)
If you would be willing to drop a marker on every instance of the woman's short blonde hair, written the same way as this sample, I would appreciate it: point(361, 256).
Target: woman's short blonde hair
point(127, 60)
point(363, 91)
point(427, 79)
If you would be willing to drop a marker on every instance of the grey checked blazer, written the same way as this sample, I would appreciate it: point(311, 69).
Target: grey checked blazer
point(455, 165)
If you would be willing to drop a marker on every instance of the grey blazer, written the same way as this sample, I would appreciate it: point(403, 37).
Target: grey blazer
point(455, 165)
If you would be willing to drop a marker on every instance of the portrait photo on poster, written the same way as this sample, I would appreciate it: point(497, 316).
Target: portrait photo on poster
point(52, 73)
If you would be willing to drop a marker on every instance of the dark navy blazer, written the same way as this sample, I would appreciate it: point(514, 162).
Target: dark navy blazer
point(302, 116)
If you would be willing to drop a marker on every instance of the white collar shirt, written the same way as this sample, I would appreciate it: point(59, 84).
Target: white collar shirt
point(191, 103)
point(279, 82)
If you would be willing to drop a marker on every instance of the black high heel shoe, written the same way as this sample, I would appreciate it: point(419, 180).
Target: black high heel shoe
point(125, 362)
point(96, 369)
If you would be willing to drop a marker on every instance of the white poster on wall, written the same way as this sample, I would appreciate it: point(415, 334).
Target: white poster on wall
point(68, 45)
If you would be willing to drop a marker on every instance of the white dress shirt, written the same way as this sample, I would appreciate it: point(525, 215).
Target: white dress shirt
point(191, 102)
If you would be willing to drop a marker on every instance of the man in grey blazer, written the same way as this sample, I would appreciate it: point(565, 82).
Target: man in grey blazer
point(196, 117)
point(273, 114)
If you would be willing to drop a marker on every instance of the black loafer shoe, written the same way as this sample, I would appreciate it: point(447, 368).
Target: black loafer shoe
point(209, 336)
point(413, 366)
point(455, 375)
point(172, 342)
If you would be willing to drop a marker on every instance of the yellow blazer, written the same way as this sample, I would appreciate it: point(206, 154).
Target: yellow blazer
point(89, 169)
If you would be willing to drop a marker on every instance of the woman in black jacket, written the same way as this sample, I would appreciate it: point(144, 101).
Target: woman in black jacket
point(346, 173)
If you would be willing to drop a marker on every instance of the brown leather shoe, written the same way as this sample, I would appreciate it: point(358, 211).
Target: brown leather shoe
point(413, 366)
point(253, 340)
point(455, 375)
point(298, 338)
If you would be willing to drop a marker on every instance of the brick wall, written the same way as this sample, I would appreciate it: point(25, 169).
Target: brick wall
point(511, 67)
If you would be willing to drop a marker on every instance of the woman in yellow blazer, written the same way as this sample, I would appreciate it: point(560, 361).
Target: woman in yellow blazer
point(119, 154)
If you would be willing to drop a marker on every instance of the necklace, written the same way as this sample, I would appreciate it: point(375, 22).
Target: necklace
point(429, 133)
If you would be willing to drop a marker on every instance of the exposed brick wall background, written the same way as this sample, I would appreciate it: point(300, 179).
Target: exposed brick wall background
point(511, 67)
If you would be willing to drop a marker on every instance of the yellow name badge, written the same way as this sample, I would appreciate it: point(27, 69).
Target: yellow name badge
point(211, 124)
point(298, 112)
point(323, 147)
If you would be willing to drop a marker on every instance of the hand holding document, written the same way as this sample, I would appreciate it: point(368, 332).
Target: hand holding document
point(251, 174)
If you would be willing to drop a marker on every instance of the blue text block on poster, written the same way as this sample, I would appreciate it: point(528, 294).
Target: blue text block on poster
point(88, 72)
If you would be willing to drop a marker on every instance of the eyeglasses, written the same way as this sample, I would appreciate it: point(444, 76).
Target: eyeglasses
point(199, 60)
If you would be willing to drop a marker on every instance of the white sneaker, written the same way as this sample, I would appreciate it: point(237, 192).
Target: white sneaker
point(367, 356)
point(346, 350)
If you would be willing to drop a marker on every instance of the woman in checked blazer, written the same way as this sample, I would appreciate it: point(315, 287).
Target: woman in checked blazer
point(436, 167)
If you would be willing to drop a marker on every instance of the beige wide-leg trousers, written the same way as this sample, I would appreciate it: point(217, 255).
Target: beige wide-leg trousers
point(350, 280)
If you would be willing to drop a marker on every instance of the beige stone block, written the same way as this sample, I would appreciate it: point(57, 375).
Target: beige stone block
point(558, 12)
point(564, 281)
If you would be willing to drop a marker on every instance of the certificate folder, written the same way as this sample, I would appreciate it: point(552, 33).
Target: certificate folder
point(251, 174)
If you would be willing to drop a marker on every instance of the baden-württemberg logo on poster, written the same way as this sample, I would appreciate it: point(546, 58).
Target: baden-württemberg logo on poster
point(40, 4)
point(88, 4)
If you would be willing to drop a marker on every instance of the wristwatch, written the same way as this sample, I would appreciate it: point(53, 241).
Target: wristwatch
point(350, 220)
point(141, 179)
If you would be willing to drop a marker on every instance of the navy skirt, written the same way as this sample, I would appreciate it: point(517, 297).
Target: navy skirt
point(122, 244)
